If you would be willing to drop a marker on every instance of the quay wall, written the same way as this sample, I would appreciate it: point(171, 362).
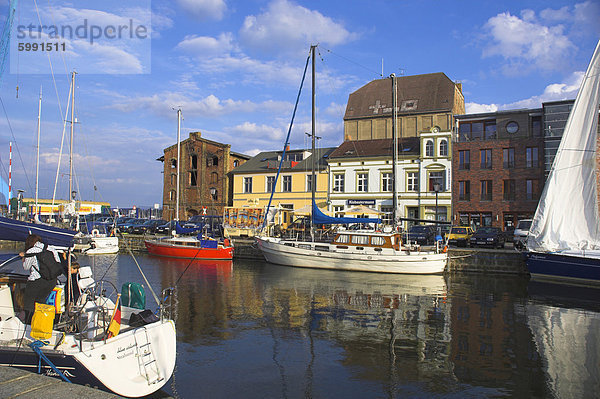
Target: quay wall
point(473, 260)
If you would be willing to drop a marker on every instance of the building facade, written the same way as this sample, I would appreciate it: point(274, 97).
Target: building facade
point(254, 181)
point(498, 167)
point(205, 186)
point(361, 173)
point(423, 102)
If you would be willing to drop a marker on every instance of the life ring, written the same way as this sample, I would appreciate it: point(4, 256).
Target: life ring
point(95, 233)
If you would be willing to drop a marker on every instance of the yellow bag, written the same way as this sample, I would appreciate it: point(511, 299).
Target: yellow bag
point(42, 321)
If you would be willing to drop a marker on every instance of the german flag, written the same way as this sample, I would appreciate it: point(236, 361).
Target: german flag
point(115, 321)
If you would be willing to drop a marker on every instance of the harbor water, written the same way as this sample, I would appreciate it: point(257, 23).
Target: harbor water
point(254, 330)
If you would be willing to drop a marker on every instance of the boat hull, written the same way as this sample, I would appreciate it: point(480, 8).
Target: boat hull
point(166, 249)
point(112, 365)
point(277, 252)
point(564, 267)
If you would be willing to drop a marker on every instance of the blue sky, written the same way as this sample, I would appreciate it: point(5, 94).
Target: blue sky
point(234, 68)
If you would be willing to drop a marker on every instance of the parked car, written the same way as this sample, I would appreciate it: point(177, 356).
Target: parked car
point(488, 236)
point(128, 227)
point(460, 235)
point(165, 229)
point(147, 227)
point(520, 233)
point(421, 234)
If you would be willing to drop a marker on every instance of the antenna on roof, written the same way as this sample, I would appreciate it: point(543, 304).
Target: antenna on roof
point(382, 67)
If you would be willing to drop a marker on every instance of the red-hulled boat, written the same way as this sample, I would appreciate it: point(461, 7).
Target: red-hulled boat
point(190, 248)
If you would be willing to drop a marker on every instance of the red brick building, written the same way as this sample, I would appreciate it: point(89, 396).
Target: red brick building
point(498, 167)
point(205, 182)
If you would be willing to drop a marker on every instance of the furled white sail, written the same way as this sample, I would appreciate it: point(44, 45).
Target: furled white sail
point(567, 214)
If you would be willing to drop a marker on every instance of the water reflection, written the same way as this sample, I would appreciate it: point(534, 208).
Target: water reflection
point(251, 329)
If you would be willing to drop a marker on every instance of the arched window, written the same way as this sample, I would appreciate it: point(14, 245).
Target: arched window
point(214, 177)
point(173, 163)
point(214, 194)
point(236, 163)
point(443, 148)
point(429, 148)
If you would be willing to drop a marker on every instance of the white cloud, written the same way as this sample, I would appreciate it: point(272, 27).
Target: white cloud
point(554, 92)
point(263, 131)
point(475, 108)
point(551, 15)
point(204, 46)
point(586, 17)
point(109, 59)
point(525, 44)
point(209, 106)
point(204, 9)
point(253, 71)
point(336, 110)
point(287, 27)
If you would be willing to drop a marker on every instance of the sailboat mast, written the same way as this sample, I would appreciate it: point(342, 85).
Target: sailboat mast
point(37, 163)
point(178, 161)
point(313, 182)
point(72, 128)
point(395, 215)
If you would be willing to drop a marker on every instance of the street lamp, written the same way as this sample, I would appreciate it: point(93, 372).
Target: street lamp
point(436, 187)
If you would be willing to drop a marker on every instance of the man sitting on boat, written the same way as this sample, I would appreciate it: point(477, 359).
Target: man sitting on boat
point(39, 283)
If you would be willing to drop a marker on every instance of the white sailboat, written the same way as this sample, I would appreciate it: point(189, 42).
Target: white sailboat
point(351, 250)
point(85, 346)
point(564, 238)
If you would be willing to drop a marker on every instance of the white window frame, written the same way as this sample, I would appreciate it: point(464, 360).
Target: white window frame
point(443, 146)
point(429, 148)
point(267, 188)
point(284, 182)
point(362, 182)
point(412, 181)
point(247, 184)
point(387, 185)
point(339, 180)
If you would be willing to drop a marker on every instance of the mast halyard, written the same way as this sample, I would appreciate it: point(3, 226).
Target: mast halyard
point(178, 159)
point(313, 136)
point(37, 163)
point(395, 215)
point(72, 130)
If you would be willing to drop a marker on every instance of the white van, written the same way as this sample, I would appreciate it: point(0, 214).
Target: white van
point(521, 231)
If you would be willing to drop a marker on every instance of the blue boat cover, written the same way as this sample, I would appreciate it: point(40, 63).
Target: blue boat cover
point(16, 230)
point(182, 230)
point(209, 244)
point(319, 217)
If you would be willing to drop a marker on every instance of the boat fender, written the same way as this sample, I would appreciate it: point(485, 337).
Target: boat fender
point(95, 233)
point(445, 249)
point(226, 242)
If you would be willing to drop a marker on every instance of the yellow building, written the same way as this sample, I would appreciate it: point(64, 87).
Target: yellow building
point(254, 181)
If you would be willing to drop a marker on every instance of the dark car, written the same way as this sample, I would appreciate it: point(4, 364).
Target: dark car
point(128, 227)
point(165, 229)
point(147, 227)
point(488, 236)
point(421, 234)
point(122, 221)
